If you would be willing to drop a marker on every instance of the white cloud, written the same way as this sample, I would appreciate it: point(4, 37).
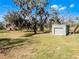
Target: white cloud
point(54, 7)
point(72, 5)
point(62, 8)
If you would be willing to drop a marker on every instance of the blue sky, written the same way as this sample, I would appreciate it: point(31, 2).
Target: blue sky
point(71, 5)
point(61, 5)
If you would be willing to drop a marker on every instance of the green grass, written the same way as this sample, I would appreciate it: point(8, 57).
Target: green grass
point(46, 46)
point(4, 31)
point(56, 47)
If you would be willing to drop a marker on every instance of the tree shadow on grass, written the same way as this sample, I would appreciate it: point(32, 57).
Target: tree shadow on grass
point(7, 44)
point(31, 33)
point(4, 31)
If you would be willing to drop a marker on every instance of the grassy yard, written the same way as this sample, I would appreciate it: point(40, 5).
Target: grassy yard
point(40, 46)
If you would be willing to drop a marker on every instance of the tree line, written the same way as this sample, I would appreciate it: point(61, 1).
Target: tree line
point(40, 18)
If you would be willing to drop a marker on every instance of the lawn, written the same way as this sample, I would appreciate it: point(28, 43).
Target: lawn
point(40, 46)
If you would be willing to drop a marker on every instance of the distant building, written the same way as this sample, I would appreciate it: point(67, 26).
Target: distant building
point(9, 26)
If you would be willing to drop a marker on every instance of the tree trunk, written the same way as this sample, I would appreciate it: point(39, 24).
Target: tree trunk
point(75, 28)
point(57, 21)
point(35, 28)
point(41, 25)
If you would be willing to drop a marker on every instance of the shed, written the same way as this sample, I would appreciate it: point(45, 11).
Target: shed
point(60, 29)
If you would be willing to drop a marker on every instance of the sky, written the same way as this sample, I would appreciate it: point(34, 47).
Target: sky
point(61, 5)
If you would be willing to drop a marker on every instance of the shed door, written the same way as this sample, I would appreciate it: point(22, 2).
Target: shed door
point(58, 31)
